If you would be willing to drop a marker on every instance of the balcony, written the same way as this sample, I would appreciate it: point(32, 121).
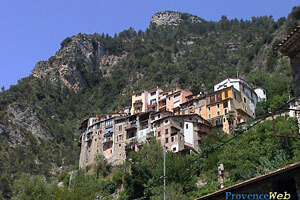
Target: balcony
point(107, 139)
point(109, 130)
point(109, 134)
point(132, 125)
point(138, 103)
point(88, 137)
point(162, 97)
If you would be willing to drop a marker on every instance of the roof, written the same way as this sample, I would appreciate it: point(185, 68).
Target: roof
point(215, 92)
point(82, 123)
point(236, 80)
point(258, 87)
point(287, 40)
point(154, 89)
point(178, 116)
point(253, 180)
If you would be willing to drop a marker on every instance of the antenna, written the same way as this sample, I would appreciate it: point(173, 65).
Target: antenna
point(164, 152)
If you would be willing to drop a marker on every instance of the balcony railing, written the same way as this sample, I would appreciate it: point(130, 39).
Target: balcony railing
point(88, 137)
point(138, 103)
point(107, 139)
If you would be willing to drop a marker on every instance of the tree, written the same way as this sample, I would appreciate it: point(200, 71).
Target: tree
point(101, 166)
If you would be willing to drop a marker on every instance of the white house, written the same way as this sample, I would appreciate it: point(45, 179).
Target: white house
point(261, 93)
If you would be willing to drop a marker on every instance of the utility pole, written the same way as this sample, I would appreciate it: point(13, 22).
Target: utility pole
point(164, 152)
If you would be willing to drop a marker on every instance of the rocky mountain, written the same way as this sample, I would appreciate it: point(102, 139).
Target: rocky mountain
point(174, 18)
point(76, 52)
point(92, 74)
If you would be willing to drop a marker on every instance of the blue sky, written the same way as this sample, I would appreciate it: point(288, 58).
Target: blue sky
point(32, 30)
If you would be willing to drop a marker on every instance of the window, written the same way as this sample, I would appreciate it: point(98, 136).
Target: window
point(166, 131)
point(109, 123)
point(98, 125)
point(245, 108)
point(212, 99)
point(153, 93)
point(152, 101)
point(158, 134)
point(209, 115)
point(225, 111)
point(120, 128)
point(218, 105)
point(218, 112)
point(172, 139)
point(224, 119)
point(166, 121)
point(264, 92)
point(234, 94)
point(158, 116)
point(176, 103)
point(138, 94)
point(208, 108)
point(245, 100)
point(218, 96)
point(226, 94)
point(186, 126)
point(225, 104)
point(177, 95)
point(174, 149)
point(167, 140)
point(120, 137)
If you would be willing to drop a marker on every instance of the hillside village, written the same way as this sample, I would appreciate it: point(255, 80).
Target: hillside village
point(176, 117)
point(86, 125)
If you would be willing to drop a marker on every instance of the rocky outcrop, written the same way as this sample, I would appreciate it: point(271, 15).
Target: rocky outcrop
point(22, 118)
point(173, 18)
point(76, 52)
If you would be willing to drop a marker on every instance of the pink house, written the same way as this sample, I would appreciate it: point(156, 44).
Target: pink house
point(175, 98)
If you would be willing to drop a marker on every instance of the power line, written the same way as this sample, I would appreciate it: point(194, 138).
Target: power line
point(281, 108)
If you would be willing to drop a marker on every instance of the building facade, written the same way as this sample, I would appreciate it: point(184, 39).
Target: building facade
point(113, 136)
point(176, 118)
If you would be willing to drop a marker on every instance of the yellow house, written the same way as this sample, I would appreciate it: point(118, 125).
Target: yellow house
point(218, 105)
point(225, 107)
point(139, 101)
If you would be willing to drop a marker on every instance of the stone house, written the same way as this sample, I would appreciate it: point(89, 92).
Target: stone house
point(114, 135)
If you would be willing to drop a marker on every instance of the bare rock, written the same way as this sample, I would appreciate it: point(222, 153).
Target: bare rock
point(173, 18)
point(25, 118)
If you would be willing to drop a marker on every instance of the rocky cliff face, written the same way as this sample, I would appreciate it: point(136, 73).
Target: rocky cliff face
point(78, 53)
point(173, 18)
point(21, 123)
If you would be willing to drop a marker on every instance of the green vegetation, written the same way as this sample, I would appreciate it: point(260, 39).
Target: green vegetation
point(141, 174)
point(190, 56)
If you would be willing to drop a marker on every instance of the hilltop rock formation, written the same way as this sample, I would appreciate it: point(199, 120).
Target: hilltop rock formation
point(77, 54)
point(173, 18)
